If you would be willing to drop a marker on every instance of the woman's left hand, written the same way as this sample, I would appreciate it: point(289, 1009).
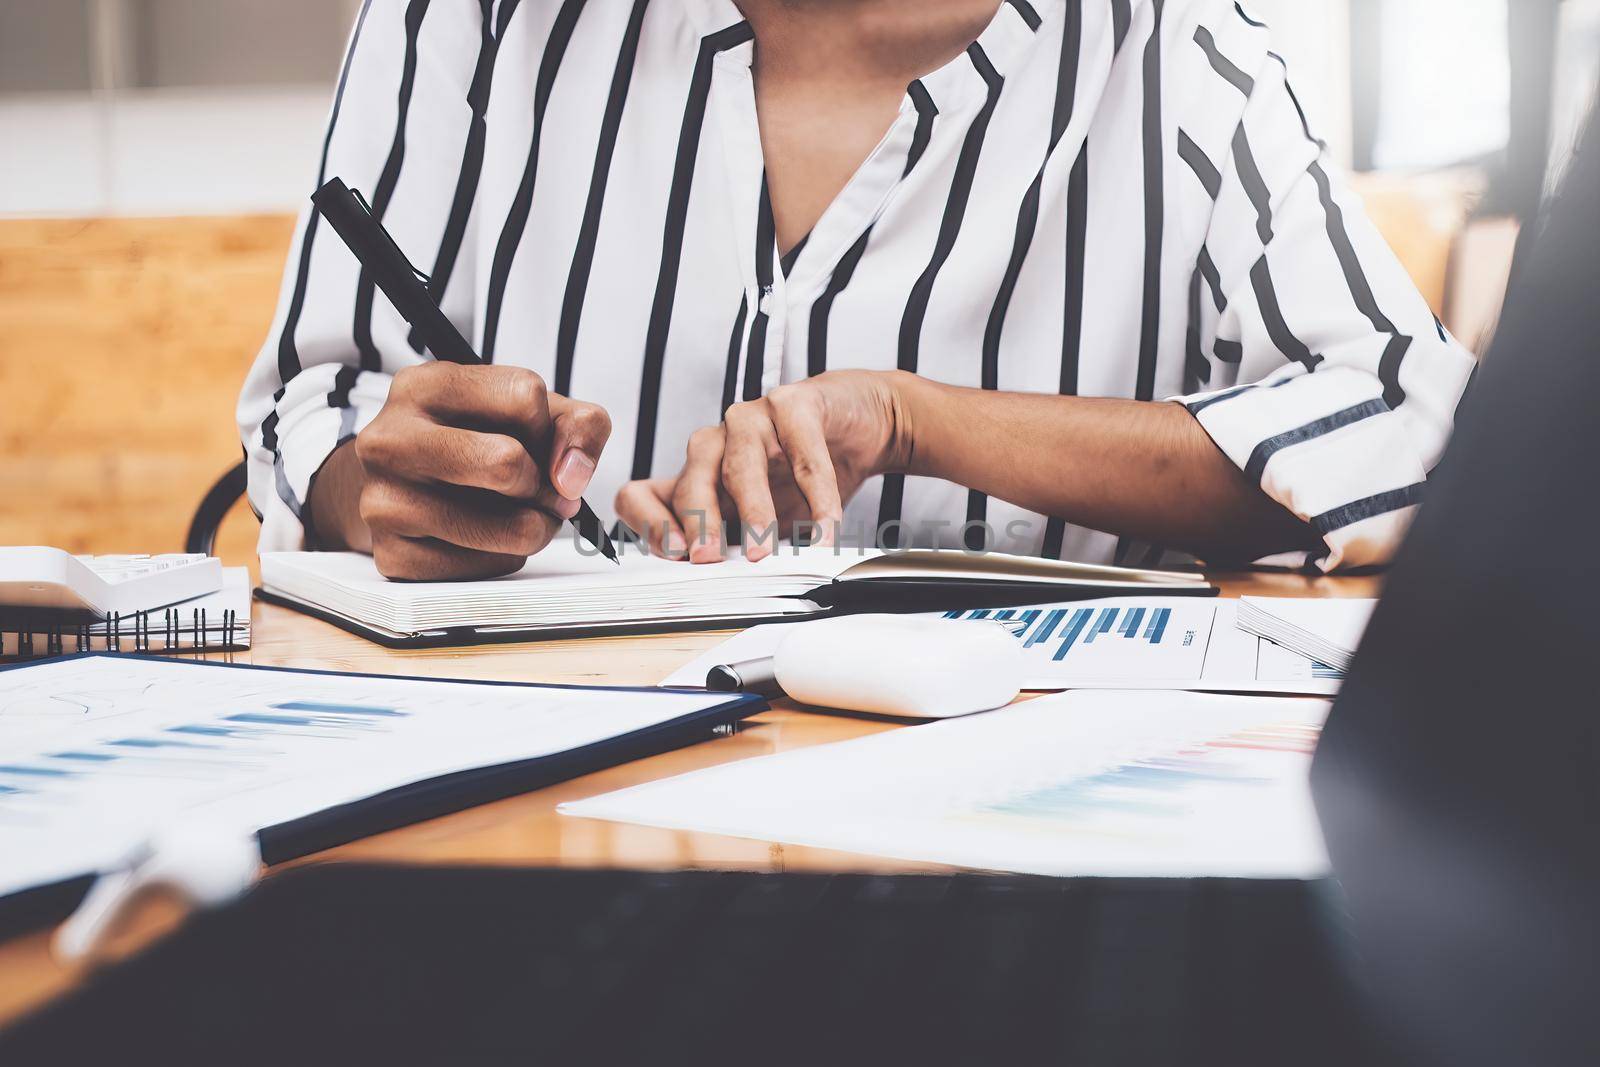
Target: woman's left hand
point(795, 455)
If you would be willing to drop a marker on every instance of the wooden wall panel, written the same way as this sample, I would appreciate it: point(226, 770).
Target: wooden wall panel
point(1420, 216)
point(123, 343)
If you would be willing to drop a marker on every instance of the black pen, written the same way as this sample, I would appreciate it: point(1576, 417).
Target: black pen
point(407, 289)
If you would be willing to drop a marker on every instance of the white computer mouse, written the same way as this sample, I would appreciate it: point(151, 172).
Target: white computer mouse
point(900, 665)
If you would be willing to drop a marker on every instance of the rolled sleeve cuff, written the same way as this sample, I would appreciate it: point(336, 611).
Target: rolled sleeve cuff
point(1328, 448)
point(319, 410)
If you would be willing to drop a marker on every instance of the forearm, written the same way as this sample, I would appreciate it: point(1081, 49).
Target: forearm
point(335, 519)
point(1141, 469)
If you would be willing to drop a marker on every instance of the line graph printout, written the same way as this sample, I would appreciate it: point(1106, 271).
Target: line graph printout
point(1112, 783)
point(98, 752)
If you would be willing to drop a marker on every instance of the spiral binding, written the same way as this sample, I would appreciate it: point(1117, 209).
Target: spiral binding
point(138, 628)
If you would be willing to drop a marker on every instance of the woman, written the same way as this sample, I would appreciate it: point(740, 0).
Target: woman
point(931, 271)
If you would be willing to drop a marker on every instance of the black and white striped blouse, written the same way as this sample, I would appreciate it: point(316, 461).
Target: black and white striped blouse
point(1099, 197)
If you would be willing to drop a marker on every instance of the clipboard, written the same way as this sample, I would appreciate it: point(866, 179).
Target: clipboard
point(416, 802)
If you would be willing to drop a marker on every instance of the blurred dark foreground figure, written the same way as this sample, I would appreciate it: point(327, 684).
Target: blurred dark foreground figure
point(367, 965)
point(1458, 780)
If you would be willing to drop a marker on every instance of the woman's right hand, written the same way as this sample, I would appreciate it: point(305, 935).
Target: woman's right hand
point(465, 473)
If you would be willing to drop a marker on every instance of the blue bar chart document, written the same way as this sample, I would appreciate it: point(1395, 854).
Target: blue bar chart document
point(1121, 643)
point(1139, 784)
point(99, 752)
point(1112, 639)
point(1152, 643)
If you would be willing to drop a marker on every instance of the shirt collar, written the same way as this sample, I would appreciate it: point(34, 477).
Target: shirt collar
point(1000, 48)
point(712, 16)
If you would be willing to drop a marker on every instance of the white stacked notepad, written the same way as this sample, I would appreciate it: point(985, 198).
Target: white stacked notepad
point(562, 589)
point(52, 603)
point(1327, 631)
point(37, 578)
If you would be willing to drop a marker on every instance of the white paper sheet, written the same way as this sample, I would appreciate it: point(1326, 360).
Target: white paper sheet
point(1327, 630)
point(1116, 643)
point(1105, 783)
point(97, 753)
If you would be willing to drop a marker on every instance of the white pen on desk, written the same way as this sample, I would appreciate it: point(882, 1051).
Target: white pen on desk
point(203, 864)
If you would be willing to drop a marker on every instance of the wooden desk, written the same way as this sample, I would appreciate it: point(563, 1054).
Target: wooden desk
point(525, 830)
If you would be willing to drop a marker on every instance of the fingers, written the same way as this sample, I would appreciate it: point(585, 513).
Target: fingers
point(646, 506)
point(564, 436)
point(482, 459)
point(751, 444)
point(797, 420)
point(430, 560)
point(695, 499)
point(732, 468)
point(417, 450)
point(471, 519)
point(512, 400)
point(581, 432)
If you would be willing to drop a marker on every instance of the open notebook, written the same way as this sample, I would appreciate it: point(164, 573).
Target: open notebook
point(563, 592)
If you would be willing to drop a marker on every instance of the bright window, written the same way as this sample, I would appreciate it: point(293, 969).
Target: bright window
point(1446, 83)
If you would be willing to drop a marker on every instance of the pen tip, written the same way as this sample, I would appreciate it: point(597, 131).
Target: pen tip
point(589, 527)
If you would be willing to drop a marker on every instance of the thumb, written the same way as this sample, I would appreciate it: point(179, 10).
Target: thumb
point(581, 432)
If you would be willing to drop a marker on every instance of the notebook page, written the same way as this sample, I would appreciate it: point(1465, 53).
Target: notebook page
point(996, 565)
point(563, 585)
